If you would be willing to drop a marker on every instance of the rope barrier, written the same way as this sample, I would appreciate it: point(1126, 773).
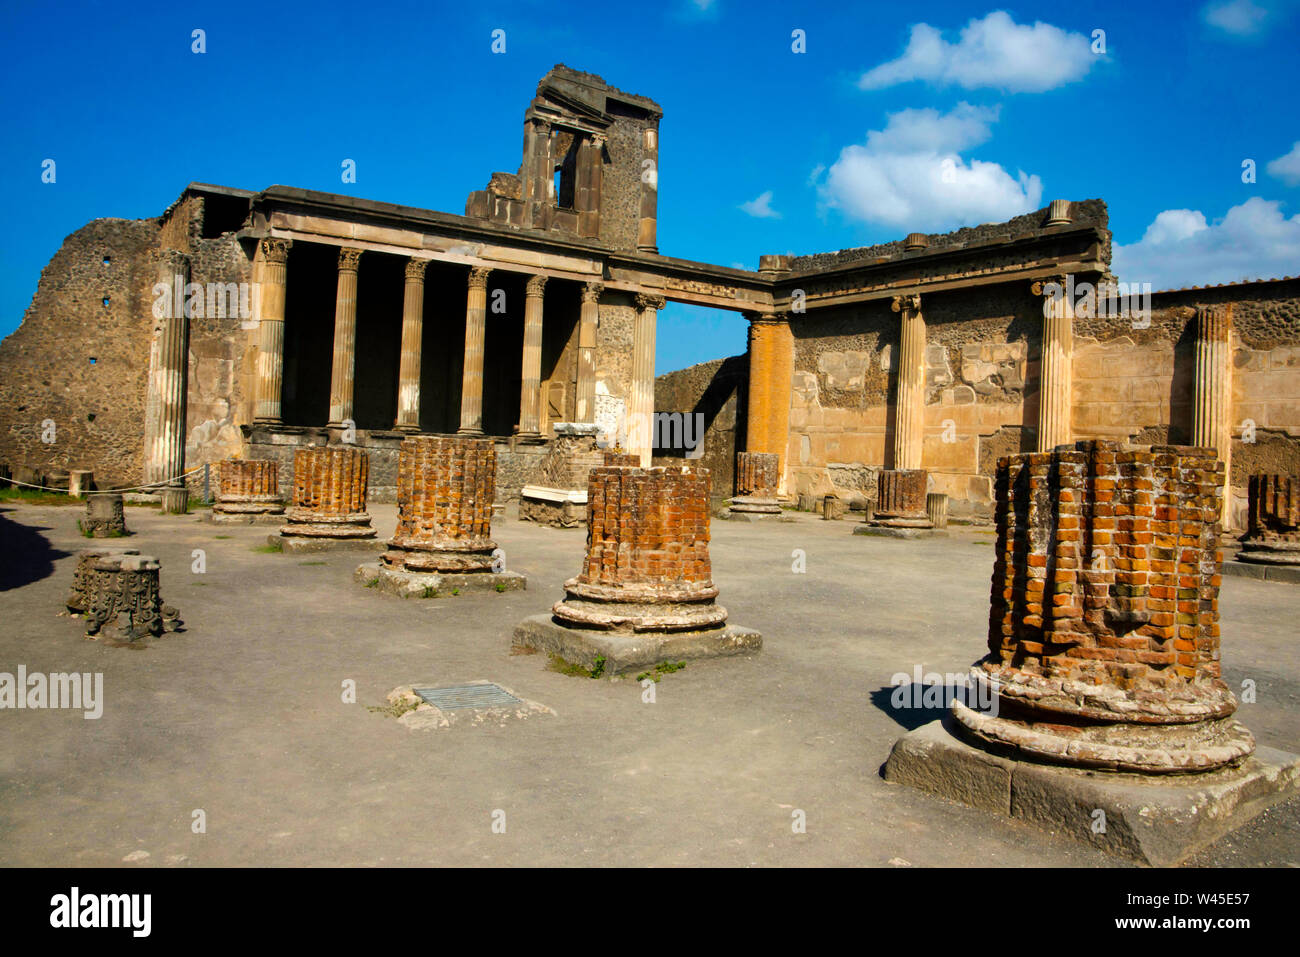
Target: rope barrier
point(129, 488)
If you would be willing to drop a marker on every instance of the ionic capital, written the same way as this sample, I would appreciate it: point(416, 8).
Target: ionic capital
point(276, 250)
point(908, 303)
point(349, 259)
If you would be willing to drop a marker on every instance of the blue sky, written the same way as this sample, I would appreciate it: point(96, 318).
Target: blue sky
point(896, 118)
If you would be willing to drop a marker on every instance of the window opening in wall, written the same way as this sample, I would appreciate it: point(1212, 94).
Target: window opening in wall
point(106, 300)
point(93, 360)
point(108, 260)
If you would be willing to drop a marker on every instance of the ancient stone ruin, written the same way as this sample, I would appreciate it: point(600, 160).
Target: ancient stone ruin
point(248, 493)
point(329, 501)
point(116, 591)
point(757, 478)
point(1103, 653)
point(901, 510)
point(105, 516)
point(1273, 533)
point(445, 489)
point(645, 593)
point(558, 496)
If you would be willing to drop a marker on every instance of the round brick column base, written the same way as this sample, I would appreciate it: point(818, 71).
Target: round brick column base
point(311, 524)
point(640, 607)
point(1270, 552)
point(1141, 749)
point(458, 557)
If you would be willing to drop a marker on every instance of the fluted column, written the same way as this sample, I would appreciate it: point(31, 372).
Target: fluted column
point(408, 375)
point(274, 258)
point(530, 393)
point(1054, 365)
point(588, 319)
point(909, 404)
point(640, 419)
point(471, 392)
point(345, 338)
point(1212, 412)
point(168, 364)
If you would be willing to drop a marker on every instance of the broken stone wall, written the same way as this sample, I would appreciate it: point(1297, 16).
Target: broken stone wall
point(717, 390)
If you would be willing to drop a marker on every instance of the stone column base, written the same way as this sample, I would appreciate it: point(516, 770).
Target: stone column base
point(248, 510)
point(898, 531)
point(631, 652)
point(409, 584)
point(309, 531)
point(1264, 552)
point(1155, 820)
point(754, 505)
point(175, 501)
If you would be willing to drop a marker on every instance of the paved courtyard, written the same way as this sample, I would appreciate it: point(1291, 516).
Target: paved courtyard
point(241, 715)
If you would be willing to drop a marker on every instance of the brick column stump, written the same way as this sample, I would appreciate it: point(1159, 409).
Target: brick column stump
point(645, 593)
point(757, 479)
point(329, 502)
point(900, 506)
point(443, 541)
point(248, 493)
point(1102, 688)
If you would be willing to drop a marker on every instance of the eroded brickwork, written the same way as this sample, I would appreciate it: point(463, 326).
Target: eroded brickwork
point(900, 498)
point(647, 566)
point(445, 488)
point(329, 494)
point(1104, 615)
point(247, 487)
point(756, 474)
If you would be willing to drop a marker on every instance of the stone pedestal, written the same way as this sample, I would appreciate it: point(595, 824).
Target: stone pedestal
point(80, 481)
point(1273, 535)
point(900, 506)
point(248, 492)
point(445, 489)
point(105, 517)
point(757, 478)
point(78, 600)
point(175, 500)
point(329, 502)
point(117, 593)
point(936, 508)
point(1104, 655)
point(558, 496)
point(645, 593)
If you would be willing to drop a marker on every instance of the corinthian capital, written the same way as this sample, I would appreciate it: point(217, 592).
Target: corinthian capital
point(645, 301)
point(591, 291)
point(349, 258)
point(533, 289)
point(478, 277)
point(276, 250)
point(415, 269)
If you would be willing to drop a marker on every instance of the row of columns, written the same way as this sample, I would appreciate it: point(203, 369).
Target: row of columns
point(270, 274)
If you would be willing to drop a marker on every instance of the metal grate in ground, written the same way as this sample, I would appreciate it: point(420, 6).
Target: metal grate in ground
point(465, 697)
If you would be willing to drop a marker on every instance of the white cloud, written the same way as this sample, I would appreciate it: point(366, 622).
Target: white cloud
point(761, 206)
point(1287, 168)
point(1241, 18)
point(993, 52)
point(911, 174)
point(1179, 248)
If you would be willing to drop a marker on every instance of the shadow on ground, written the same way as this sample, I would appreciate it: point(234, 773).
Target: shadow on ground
point(26, 555)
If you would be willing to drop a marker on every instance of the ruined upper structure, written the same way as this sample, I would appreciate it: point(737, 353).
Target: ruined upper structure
point(243, 324)
point(590, 166)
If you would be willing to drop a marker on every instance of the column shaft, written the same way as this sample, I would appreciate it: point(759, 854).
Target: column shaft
point(168, 364)
point(274, 255)
point(1054, 366)
point(471, 393)
point(408, 376)
point(588, 319)
point(530, 392)
point(1212, 412)
point(641, 408)
point(345, 339)
point(909, 407)
point(771, 370)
